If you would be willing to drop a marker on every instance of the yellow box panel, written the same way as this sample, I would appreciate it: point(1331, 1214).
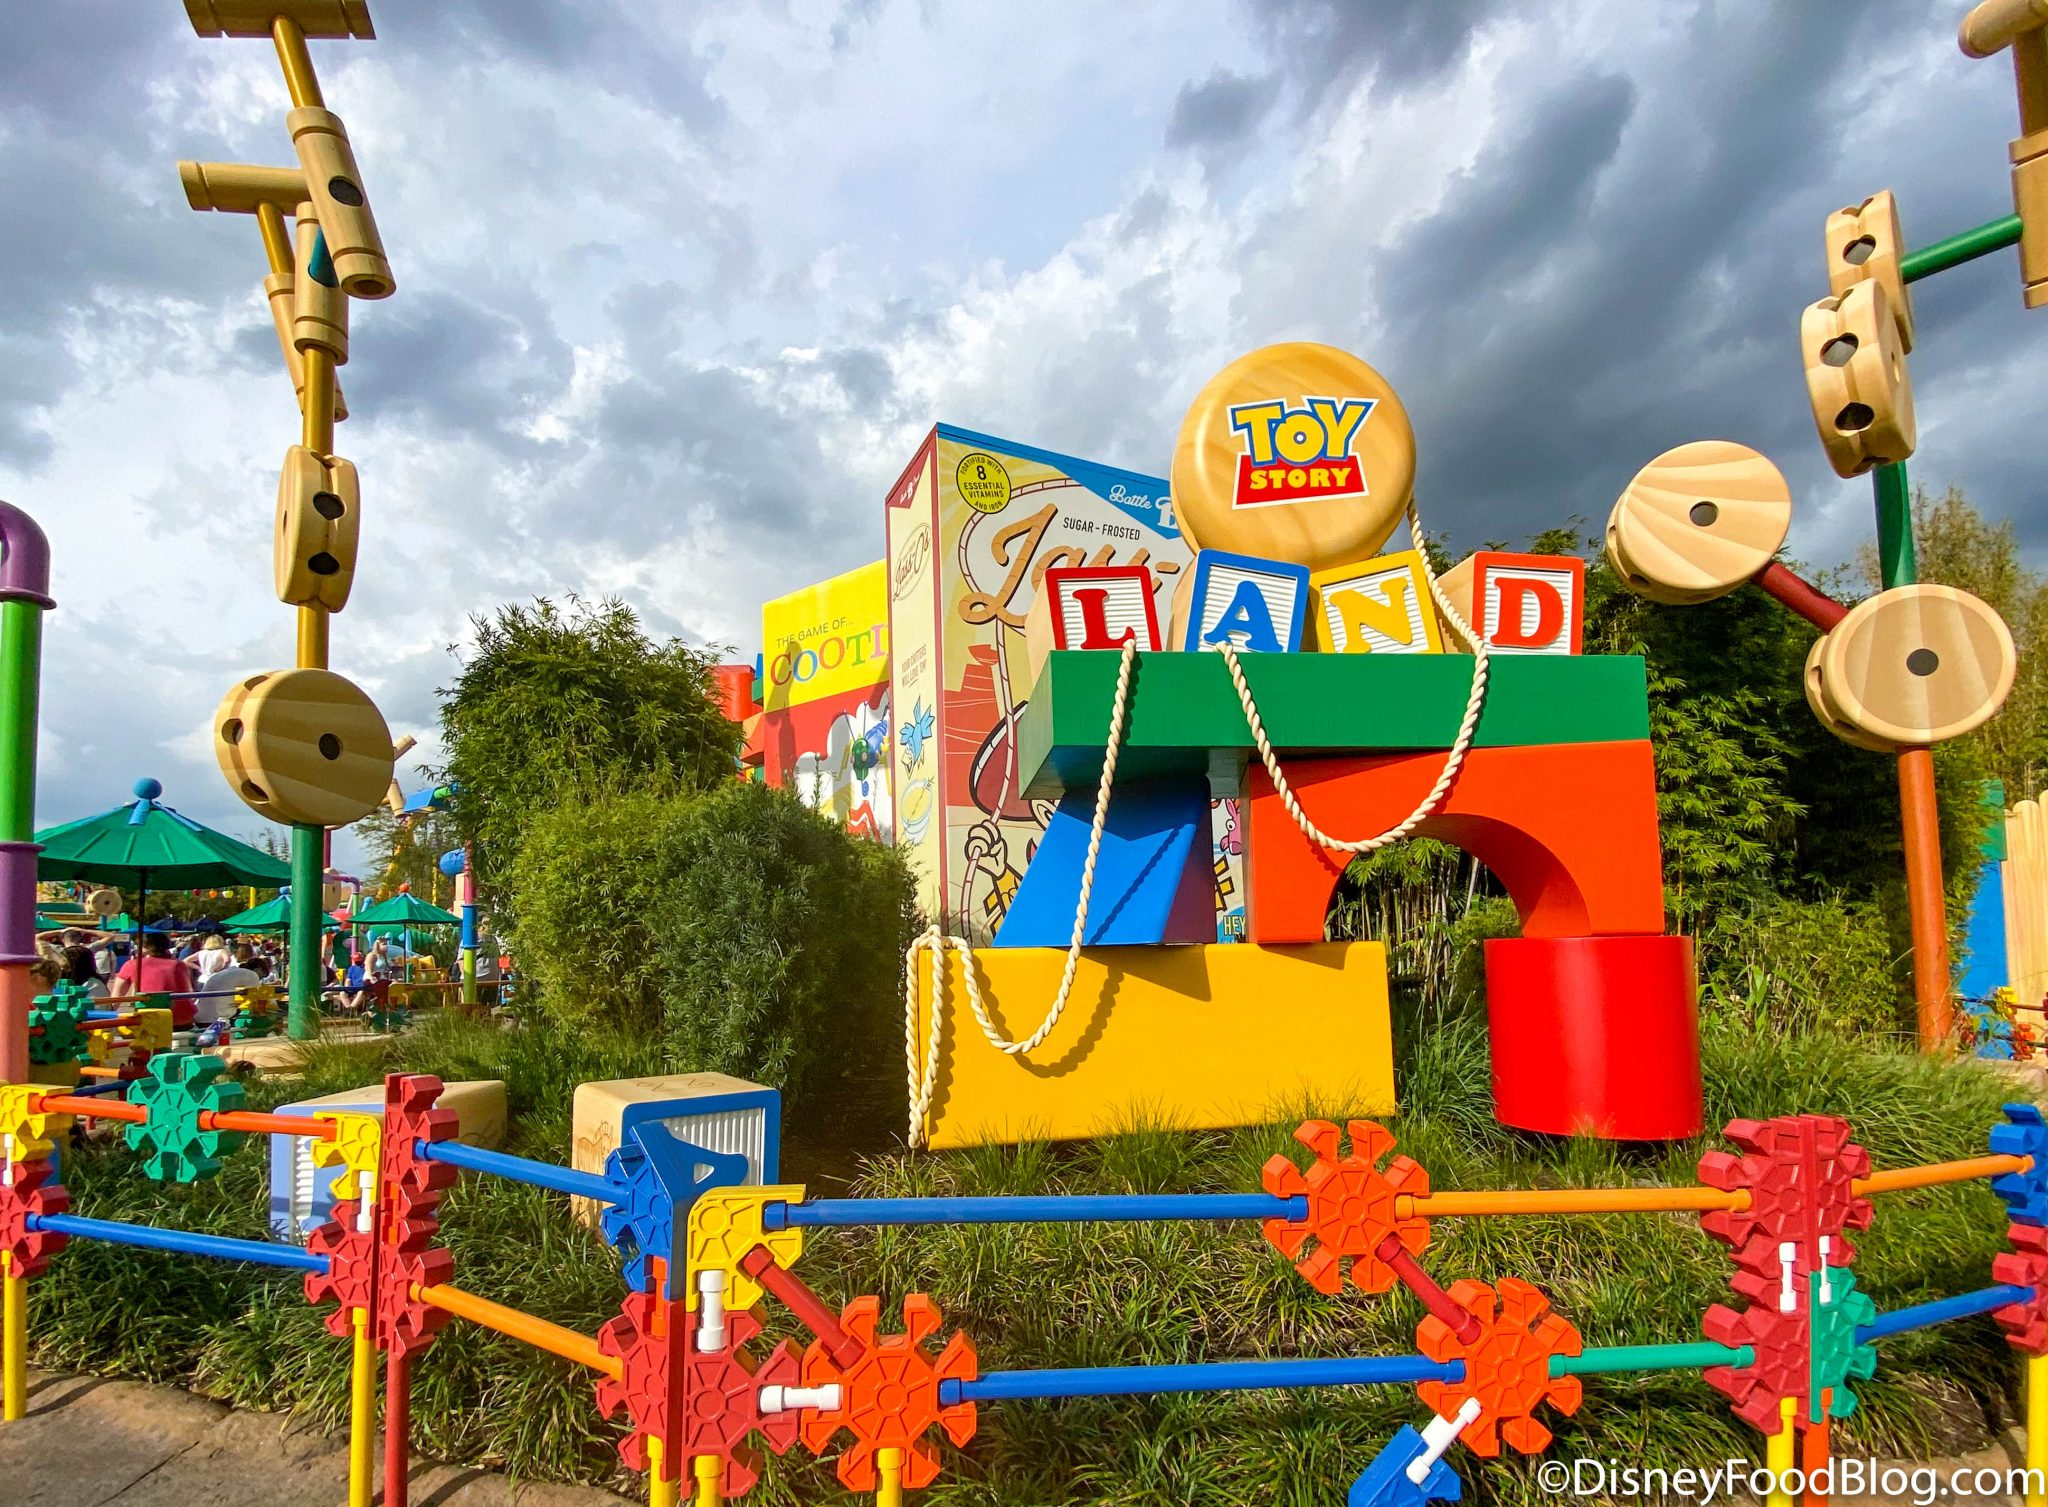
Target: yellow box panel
point(1192, 1037)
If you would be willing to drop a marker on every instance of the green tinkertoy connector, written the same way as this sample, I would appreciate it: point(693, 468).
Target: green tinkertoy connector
point(1836, 1356)
point(174, 1146)
point(57, 1026)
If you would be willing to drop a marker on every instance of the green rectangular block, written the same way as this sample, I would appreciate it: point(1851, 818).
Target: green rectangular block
point(1183, 706)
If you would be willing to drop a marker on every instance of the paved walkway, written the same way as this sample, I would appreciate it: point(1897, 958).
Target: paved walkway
point(93, 1443)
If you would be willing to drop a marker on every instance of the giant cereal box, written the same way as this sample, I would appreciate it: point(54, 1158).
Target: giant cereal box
point(974, 523)
point(824, 728)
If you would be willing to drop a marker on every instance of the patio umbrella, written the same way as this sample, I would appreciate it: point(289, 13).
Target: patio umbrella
point(272, 915)
point(400, 914)
point(147, 841)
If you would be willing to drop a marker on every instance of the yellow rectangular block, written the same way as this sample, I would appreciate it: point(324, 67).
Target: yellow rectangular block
point(1190, 1037)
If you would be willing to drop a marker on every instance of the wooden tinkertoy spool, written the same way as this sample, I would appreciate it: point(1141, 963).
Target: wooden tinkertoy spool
point(1912, 666)
point(2022, 25)
point(319, 520)
point(1865, 245)
point(1698, 521)
point(1856, 378)
point(304, 748)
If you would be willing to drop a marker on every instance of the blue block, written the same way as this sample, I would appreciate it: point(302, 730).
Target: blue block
point(2025, 1133)
point(1255, 603)
point(1386, 1484)
point(1984, 964)
point(1153, 881)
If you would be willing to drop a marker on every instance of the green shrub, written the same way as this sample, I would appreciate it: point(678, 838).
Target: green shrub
point(756, 936)
point(1828, 964)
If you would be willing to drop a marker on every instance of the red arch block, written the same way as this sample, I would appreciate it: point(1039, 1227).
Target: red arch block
point(1569, 828)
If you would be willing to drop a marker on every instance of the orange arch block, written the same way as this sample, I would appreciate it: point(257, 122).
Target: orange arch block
point(1569, 828)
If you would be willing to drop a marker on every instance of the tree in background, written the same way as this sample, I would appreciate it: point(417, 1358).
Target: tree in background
point(555, 702)
point(1956, 546)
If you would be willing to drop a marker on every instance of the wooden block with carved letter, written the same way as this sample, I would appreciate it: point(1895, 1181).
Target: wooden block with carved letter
point(1090, 607)
point(1527, 604)
point(1242, 599)
point(1375, 607)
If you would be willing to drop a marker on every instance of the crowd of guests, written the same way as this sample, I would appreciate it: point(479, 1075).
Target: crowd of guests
point(208, 968)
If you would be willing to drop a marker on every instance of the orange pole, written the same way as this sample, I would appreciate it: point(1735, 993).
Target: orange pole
point(17, 993)
point(539, 1333)
point(1813, 1453)
point(1935, 1173)
point(1925, 904)
point(259, 1124)
point(1573, 1201)
point(92, 1109)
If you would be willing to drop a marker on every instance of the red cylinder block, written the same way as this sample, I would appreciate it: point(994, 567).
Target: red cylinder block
point(1595, 1036)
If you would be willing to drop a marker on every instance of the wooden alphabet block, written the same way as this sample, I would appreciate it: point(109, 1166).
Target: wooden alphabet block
point(1378, 606)
point(1856, 379)
point(1522, 604)
point(1250, 602)
point(1091, 607)
point(319, 521)
point(1864, 245)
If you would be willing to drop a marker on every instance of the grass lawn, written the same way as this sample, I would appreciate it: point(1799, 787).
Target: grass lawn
point(1085, 1295)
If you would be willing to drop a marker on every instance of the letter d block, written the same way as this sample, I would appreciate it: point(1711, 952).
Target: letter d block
point(1242, 600)
point(1375, 607)
point(1529, 604)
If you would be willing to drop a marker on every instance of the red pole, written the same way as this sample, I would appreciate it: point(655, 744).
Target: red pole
point(1925, 904)
point(397, 1425)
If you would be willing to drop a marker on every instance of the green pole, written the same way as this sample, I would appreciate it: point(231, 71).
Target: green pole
point(1685, 1357)
point(21, 654)
point(1957, 249)
point(1894, 526)
point(308, 967)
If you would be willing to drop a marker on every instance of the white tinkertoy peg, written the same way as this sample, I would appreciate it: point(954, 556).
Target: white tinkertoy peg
point(1827, 1291)
point(1788, 1253)
point(1437, 1435)
point(789, 1399)
point(711, 1310)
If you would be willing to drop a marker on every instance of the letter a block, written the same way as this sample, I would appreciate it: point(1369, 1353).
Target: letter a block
point(1375, 607)
point(1242, 600)
point(1521, 604)
point(1090, 607)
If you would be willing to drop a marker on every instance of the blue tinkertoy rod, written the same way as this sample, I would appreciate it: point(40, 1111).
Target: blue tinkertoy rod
point(1214, 1376)
point(1062, 1209)
point(1962, 1306)
point(519, 1169)
point(184, 1242)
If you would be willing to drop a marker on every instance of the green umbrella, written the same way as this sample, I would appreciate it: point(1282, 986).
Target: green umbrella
point(406, 909)
point(147, 841)
point(274, 914)
point(395, 918)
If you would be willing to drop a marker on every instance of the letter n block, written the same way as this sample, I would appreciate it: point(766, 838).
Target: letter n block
point(1375, 607)
point(1243, 600)
point(1529, 604)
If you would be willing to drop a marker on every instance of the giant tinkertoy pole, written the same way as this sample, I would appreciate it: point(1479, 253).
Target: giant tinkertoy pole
point(24, 598)
point(1914, 665)
point(304, 746)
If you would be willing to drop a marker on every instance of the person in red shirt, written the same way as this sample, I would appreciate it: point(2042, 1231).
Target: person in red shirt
point(160, 973)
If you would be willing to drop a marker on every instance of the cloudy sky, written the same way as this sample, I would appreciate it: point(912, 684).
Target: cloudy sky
point(681, 286)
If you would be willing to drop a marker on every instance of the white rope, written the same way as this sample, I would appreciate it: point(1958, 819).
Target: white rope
point(1475, 702)
point(923, 1076)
